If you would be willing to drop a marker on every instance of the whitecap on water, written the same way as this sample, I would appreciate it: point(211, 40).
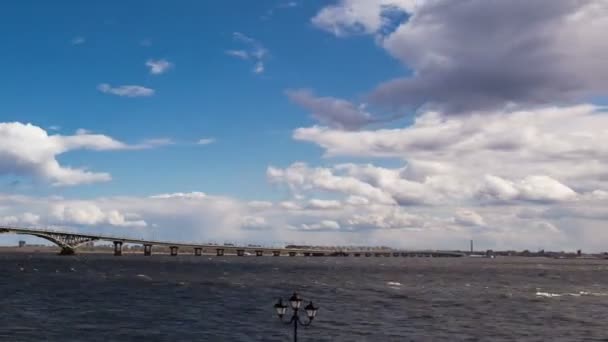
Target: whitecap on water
point(143, 276)
point(393, 283)
point(571, 294)
point(547, 294)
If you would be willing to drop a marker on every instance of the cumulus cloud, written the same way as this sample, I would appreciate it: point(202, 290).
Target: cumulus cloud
point(514, 71)
point(362, 16)
point(478, 55)
point(254, 51)
point(469, 218)
point(195, 218)
point(542, 157)
point(514, 53)
point(88, 213)
point(323, 204)
point(531, 188)
point(330, 111)
point(26, 219)
point(28, 150)
point(563, 143)
point(323, 225)
point(126, 90)
point(159, 66)
point(300, 177)
point(363, 184)
point(550, 161)
point(290, 205)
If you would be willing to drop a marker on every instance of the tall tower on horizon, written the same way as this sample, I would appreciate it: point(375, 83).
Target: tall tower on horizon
point(471, 246)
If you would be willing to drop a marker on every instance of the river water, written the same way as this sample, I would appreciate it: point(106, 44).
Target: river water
point(186, 298)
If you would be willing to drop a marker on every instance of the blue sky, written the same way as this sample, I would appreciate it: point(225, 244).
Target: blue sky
point(207, 94)
point(409, 123)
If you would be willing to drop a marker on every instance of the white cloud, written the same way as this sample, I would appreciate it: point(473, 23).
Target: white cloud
point(323, 225)
point(532, 188)
point(254, 51)
point(88, 213)
point(254, 222)
point(28, 150)
point(357, 200)
point(563, 143)
point(206, 141)
point(300, 177)
point(242, 54)
point(386, 217)
point(181, 195)
point(159, 66)
point(192, 217)
point(323, 204)
point(289, 205)
point(126, 90)
point(361, 16)
point(26, 219)
point(469, 218)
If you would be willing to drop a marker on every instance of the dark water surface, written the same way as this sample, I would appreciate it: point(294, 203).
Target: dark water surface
point(187, 298)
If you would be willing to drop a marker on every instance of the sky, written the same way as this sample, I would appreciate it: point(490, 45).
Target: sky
point(405, 123)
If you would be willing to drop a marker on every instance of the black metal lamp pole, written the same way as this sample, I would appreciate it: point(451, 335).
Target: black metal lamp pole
point(295, 301)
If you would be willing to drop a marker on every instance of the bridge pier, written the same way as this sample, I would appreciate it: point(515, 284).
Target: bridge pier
point(147, 249)
point(292, 254)
point(306, 254)
point(259, 253)
point(368, 254)
point(357, 254)
point(240, 252)
point(117, 248)
point(276, 253)
point(174, 250)
point(67, 251)
point(220, 252)
point(198, 251)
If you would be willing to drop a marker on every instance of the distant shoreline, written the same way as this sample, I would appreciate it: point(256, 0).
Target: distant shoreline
point(38, 249)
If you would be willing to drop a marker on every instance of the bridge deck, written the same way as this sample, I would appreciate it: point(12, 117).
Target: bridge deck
point(110, 238)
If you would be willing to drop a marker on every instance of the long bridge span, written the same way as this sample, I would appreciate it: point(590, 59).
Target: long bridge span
point(70, 241)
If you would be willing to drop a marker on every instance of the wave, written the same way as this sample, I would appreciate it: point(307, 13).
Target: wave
point(575, 294)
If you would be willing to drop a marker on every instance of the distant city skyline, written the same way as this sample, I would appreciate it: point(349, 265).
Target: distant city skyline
point(401, 123)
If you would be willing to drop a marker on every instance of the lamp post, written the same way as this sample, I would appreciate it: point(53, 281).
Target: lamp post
point(295, 301)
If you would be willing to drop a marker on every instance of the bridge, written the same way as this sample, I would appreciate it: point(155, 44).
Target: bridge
point(70, 241)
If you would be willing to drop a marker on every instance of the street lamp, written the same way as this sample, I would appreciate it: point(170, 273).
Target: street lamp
point(295, 301)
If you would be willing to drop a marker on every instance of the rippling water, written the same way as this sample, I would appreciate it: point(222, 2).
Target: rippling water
point(162, 298)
